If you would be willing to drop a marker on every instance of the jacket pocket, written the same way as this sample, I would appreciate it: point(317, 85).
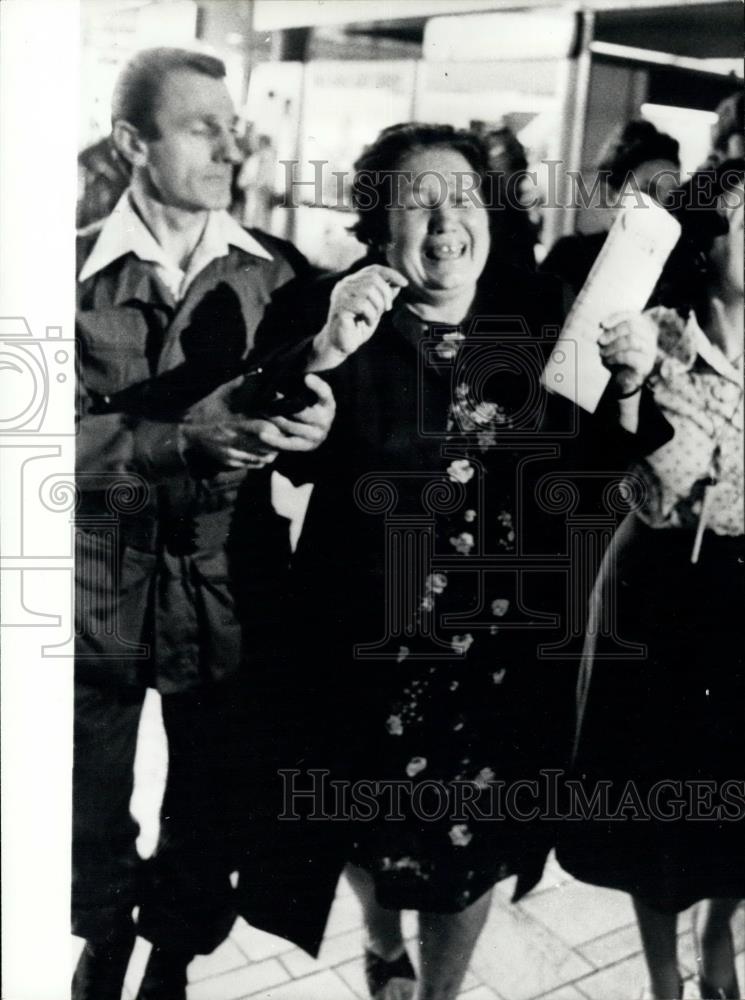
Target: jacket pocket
point(112, 349)
point(112, 587)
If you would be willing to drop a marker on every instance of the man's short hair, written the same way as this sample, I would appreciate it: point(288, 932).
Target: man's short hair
point(138, 88)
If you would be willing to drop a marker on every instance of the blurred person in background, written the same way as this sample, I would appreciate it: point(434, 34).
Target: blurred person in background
point(103, 176)
point(170, 293)
point(505, 151)
point(508, 160)
point(728, 134)
point(638, 158)
point(256, 180)
point(246, 143)
point(428, 408)
point(674, 580)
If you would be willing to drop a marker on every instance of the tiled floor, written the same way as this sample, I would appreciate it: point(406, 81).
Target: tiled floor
point(565, 941)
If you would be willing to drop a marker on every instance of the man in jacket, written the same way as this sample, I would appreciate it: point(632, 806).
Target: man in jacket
point(179, 552)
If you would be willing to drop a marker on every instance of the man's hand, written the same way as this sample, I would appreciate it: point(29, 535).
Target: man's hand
point(213, 441)
point(227, 445)
point(628, 348)
point(237, 442)
point(306, 430)
point(217, 407)
point(357, 304)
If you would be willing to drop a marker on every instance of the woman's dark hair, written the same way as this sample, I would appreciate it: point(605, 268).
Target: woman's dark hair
point(636, 143)
point(138, 88)
point(686, 279)
point(374, 189)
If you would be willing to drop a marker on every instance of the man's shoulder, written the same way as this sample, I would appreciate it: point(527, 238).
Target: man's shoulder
point(286, 258)
point(323, 282)
point(311, 290)
point(300, 305)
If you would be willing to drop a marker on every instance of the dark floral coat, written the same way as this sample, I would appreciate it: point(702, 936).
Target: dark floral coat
point(434, 627)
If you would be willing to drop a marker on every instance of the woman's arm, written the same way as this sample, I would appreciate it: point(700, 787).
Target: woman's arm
point(628, 348)
point(356, 306)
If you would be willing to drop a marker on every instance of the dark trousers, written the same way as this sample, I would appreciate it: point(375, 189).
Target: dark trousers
point(184, 891)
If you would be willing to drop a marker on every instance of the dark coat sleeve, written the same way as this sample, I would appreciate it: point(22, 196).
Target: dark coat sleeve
point(296, 314)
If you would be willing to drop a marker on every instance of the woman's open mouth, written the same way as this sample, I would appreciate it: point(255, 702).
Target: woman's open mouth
point(453, 250)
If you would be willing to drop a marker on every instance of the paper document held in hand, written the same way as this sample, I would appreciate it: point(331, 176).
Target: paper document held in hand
point(621, 280)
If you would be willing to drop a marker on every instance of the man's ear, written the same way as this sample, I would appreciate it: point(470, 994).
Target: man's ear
point(129, 143)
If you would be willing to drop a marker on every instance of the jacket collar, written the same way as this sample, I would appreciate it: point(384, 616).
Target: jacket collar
point(124, 232)
point(712, 355)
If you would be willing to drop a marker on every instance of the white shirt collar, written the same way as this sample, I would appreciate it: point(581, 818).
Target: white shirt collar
point(125, 232)
point(713, 355)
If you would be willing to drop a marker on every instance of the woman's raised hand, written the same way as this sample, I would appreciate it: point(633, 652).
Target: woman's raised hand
point(357, 304)
point(628, 349)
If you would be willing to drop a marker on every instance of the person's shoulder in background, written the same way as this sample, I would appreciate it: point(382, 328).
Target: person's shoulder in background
point(508, 288)
point(571, 258)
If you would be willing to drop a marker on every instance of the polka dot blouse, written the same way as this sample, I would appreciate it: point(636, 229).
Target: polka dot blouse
point(701, 394)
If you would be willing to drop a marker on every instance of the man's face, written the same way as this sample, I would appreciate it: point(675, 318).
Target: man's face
point(189, 165)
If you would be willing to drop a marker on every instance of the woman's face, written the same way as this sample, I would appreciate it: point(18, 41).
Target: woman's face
point(439, 228)
point(727, 252)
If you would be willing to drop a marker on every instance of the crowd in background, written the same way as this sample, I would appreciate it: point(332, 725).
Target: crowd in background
point(257, 180)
